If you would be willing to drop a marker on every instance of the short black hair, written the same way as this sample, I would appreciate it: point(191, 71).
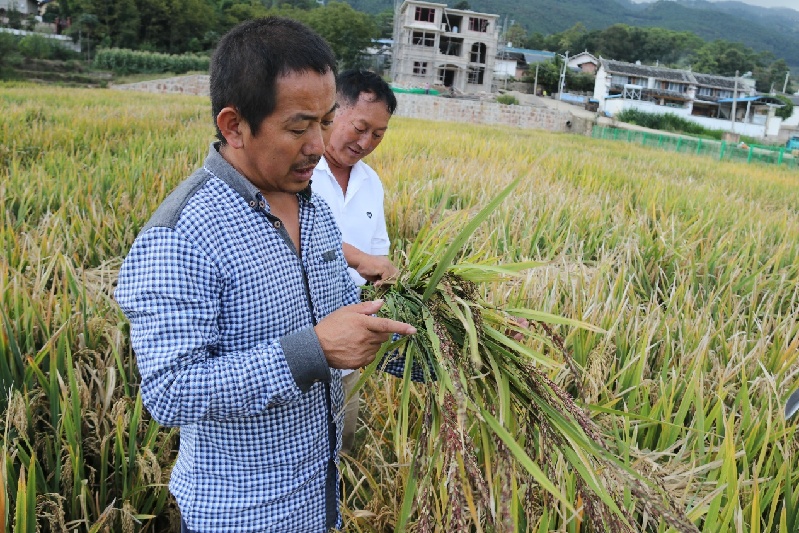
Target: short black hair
point(351, 83)
point(250, 58)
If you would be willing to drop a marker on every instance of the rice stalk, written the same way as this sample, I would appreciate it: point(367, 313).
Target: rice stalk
point(483, 382)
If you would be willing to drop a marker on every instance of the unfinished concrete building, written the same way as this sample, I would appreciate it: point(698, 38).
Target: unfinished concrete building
point(436, 45)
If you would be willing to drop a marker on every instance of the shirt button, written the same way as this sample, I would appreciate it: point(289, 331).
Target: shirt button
point(277, 224)
point(252, 203)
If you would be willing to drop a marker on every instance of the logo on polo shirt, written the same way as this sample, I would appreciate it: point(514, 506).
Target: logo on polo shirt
point(369, 214)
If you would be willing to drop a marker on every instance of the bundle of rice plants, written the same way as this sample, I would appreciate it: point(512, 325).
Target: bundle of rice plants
point(493, 437)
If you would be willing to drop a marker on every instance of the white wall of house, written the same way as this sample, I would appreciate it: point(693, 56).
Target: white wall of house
point(792, 121)
point(26, 7)
point(505, 68)
point(601, 86)
point(760, 127)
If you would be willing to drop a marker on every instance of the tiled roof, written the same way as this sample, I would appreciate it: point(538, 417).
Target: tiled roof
point(719, 82)
point(644, 71)
point(670, 74)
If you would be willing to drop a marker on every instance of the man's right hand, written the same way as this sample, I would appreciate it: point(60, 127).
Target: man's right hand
point(351, 336)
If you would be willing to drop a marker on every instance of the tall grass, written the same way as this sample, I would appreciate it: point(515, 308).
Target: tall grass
point(688, 265)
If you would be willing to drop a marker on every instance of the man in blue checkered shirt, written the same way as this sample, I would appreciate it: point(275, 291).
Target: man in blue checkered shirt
point(241, 309)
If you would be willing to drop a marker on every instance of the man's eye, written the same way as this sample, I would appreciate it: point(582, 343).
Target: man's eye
point(359, 130)
point(327, 123)
point(298, 132)
point(377, 136)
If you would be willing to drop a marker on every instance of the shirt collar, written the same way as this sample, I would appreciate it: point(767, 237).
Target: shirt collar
point(219, 167)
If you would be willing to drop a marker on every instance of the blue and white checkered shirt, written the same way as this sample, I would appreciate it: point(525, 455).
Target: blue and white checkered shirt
point(222, 312)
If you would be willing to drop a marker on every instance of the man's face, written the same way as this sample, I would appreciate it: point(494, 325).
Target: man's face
point(290, 141)
point(358, 129)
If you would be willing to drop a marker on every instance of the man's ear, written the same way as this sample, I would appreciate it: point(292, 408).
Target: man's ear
point(232, 126)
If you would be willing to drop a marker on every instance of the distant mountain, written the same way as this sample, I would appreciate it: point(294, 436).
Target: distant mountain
point(772, 29)
point(763, 29)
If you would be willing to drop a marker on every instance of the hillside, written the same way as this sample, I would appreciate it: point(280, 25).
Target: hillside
point(711, 22)
point(775, 30)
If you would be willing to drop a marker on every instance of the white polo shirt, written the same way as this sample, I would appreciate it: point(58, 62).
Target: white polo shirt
point(359, 214)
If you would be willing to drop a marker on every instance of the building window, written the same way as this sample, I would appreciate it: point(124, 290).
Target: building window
point(705, 91)
point(478, 54)
point(477, 24)
point(425, 14)
point(421, 38)
point(725, 94)
point(420, 68)
point(450, 46)
point(617, 79)
point(675, 87)
point(476, 75)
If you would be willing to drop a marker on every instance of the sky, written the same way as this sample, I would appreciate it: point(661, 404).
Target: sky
point(793, 4)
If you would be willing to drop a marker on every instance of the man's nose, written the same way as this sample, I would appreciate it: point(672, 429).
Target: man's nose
point(315, 142)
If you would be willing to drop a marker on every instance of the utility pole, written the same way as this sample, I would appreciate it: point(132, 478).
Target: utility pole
point(563, 75)
point(785, 85)
point(734, 100)
point(505, 46)
point(535, 85)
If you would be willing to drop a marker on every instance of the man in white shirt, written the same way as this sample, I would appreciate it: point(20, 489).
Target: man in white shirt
point(354, 191)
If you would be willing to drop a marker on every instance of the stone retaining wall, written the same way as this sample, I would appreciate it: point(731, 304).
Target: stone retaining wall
point(417, 106)
point(195, 85)
point(483, 112)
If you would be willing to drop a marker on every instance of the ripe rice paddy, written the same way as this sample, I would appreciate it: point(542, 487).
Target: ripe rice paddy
point(688, 266)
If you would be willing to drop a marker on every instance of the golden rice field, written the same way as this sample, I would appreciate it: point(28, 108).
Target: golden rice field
point(689, 266)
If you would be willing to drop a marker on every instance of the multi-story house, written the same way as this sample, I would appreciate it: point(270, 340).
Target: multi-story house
point(436, 45)
point(709, 100)
point(26, 7)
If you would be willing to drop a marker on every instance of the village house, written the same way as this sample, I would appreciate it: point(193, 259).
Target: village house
point(509, 65)
point(702, 98)
point(515, 62)
point(584, 62)
point(26, 7)
point(436, 45)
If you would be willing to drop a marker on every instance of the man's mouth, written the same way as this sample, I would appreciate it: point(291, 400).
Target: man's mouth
point(306, 167)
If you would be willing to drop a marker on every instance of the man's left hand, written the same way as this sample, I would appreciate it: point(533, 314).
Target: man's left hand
point(375, 268)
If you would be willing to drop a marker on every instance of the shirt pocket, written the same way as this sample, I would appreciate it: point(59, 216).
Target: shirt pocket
point(328, 280)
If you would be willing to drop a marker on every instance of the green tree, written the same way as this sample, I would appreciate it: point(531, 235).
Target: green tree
point(568, 39)
point(348, 32)
point(463, 4)
point(536, 41)
point(190, 19)
point(616, 43)
point(235, 12)
point(125, 25)
point(548, 75)
point(35, 46)
point(385, 24)
point(169, 25)
point(786, 110)
point(724, 58)
point(772, 76)
point(516, 35)
point(9, 55)
point(14, 19)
